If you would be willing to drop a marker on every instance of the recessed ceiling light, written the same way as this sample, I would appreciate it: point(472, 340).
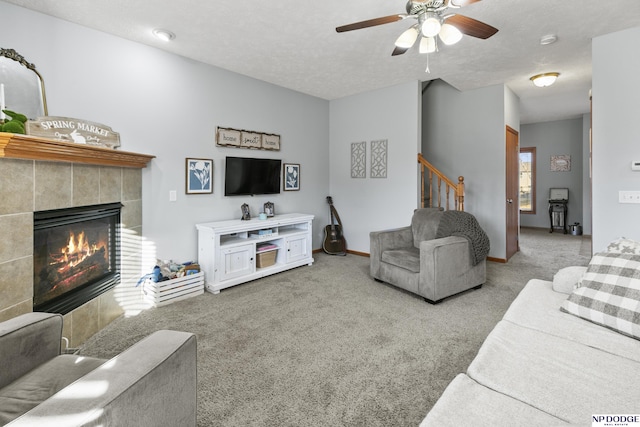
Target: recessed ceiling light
point(164, 35)
point(544, 79)
point(548, 39)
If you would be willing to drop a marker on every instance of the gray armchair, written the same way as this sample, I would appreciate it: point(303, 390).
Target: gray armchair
point(440, 254)
point(152, 383)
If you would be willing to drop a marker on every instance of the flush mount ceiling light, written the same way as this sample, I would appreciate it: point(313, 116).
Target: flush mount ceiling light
point(164, 35)
point(548, 39)
point(544, 79)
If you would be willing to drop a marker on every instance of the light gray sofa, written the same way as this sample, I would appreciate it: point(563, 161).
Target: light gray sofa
point(153, 383)
point(415, 259)
point(541, 366)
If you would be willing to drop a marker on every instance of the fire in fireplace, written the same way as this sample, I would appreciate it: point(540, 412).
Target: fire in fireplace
point(76, 255)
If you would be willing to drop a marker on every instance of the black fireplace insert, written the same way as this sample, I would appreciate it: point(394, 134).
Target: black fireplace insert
point(76, 255)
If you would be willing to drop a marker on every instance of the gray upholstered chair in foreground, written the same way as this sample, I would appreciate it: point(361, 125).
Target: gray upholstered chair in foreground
point(440, 254)
point(153, 383)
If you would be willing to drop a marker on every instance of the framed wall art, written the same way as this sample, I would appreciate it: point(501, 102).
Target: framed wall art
point(199, 179)
point(561, 163)
point(291, 173)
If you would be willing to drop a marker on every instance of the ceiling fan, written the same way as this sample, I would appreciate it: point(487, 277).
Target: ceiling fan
point(434, 19)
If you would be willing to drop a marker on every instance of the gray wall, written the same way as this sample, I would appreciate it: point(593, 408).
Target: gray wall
point(616, 135)
point(464, 134)
point(169, 106)
point(368, 204)
point(562, 137)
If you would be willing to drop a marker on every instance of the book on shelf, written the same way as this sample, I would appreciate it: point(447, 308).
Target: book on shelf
point(263, 233)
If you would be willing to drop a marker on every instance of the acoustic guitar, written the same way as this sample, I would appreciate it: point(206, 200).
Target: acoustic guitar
point(334, 243)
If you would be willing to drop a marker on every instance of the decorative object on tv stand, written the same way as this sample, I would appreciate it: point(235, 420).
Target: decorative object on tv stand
point(291, 172)
point(269, 209)
point(74, 130)
point(229, 137)
point(358, 159)
point(379, 159)
point(561, 163)
point(246, 214)
point(199, 178)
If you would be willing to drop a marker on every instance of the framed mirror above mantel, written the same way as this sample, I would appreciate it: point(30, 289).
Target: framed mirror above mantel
point(26, 147)
point(22, 86)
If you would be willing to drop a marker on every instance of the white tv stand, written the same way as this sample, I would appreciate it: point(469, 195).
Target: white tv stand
point(227, 249)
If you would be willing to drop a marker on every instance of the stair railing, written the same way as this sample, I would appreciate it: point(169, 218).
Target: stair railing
point(450, 187)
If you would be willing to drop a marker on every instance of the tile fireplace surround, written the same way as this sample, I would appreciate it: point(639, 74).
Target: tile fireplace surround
point(33, 185)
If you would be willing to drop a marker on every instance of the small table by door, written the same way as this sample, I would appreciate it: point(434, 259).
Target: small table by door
point(558, 199)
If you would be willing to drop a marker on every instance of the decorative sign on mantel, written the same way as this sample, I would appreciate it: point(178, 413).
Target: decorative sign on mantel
point(227, 137)
point(73, 130)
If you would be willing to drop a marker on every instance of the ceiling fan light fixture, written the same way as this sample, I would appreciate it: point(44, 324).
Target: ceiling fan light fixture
point(408, 38)
point(431, 25)
point(450, 34)
point(544, 79)
point(164, 35)
point(428, 45)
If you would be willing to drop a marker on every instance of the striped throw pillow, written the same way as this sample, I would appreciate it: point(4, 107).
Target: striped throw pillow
point(610, 293)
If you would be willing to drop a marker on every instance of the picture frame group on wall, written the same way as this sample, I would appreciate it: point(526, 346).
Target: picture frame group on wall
point(291, 176)
point(240, 138)
point(199, 176)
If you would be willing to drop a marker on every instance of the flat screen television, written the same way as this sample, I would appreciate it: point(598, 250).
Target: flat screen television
point(244, 176)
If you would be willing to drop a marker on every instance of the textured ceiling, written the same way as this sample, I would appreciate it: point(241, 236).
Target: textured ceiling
point(294, 44)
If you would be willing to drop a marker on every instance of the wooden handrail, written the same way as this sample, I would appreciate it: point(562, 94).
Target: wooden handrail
point(458, 188)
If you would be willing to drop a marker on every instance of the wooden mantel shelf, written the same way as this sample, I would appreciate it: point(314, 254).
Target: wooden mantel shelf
point(15, 146)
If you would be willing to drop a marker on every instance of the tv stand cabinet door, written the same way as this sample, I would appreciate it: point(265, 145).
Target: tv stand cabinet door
point(236, 262)
point(297, 248)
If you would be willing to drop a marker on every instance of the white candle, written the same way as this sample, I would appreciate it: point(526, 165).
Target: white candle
point(2, 105)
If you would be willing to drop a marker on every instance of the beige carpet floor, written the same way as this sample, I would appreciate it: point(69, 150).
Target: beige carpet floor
point(328, 346)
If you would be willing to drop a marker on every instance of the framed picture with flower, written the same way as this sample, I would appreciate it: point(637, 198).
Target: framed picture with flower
point(291, 173)
point(199, 176)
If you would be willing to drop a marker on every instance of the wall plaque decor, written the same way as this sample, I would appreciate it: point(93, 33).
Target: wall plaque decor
point(561, 163)
point(270, 141)
point(199, 176)
point(73, 130)
point(379, 159)
point(229, 137)
point(358, 159)
point(251, 140)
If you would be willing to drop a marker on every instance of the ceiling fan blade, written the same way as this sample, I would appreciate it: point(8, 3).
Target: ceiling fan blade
point(471, 27)
point(370, 23)
point(399, 50)
point(461, 3)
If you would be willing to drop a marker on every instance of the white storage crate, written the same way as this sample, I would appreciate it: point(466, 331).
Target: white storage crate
point(168, 291)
